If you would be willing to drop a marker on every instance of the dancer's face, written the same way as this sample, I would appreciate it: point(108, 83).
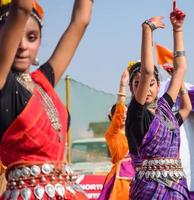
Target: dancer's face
point(152, 90)
point(124, 117)
point(28, 46)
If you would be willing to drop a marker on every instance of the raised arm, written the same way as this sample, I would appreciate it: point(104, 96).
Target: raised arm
point(185, 102)
point(185, 106)
point(120, 110)
point(177, 19)
point(70, 39)
point(10, 35)
point(122, 86)
point(147, 61)
point(115, 137)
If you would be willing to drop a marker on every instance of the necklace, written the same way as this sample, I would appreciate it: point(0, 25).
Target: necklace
point(24, 76)
point(24, 79)
point(152, 105)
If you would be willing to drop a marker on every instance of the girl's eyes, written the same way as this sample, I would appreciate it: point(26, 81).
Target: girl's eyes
point(32, 37)
point(152, 83)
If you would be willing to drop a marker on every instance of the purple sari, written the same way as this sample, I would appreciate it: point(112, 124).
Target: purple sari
point(161, 141)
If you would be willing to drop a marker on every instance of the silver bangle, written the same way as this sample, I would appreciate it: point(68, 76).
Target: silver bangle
point(150, 24)
point(179, 53)
point(183, 91)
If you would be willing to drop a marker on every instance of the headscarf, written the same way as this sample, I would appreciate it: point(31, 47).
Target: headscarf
point(37, 11)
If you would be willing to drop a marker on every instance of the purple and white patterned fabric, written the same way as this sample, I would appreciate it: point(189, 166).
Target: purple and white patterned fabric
point(191, 94)
point(161, 141)
point(187, 136)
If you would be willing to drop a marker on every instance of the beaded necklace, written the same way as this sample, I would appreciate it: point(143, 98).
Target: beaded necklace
point(24, 79)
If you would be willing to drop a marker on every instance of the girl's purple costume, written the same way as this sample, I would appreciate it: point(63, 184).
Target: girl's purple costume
point(159, 171)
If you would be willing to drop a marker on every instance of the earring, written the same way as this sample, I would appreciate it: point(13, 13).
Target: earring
point(35, 62)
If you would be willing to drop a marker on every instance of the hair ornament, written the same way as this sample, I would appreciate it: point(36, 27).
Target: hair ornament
point(37, 11)
point(4, 2)
point(131, 63)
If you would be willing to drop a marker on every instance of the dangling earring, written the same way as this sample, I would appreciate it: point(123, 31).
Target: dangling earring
point(35, 62)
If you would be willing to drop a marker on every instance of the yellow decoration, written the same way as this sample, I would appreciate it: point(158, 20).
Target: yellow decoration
point(4, 2)
point(131, 63)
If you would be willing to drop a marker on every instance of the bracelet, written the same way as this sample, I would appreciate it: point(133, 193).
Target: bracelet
point(150, 24)
point(122, 85)
point(179, 53)
point(122, 94)
point(183, 91)
point(177, 30)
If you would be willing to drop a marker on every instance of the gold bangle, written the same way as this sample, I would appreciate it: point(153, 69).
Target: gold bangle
point(183, 91)
point(122, 94)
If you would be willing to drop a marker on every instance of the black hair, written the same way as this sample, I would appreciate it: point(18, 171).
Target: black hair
point(112, 111)
point(4, 12)
point(137, 68)
point(37, 17)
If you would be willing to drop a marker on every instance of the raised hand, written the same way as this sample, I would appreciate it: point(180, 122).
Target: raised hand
point(122, 87)
point(155, 23)
point(124, 78)
point(177, 17)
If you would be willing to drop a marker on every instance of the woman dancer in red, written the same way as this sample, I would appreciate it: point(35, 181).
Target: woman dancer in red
point(33, 119)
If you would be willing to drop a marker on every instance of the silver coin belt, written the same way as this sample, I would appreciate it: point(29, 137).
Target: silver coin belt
point(39, 180)
point(161, 168)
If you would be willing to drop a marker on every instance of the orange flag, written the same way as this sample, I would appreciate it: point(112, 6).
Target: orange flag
point(164, 55)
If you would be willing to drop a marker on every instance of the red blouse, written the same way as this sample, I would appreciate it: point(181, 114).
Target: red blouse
point(31, 137)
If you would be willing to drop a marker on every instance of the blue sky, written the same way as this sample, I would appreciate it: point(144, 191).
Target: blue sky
point(113, 37)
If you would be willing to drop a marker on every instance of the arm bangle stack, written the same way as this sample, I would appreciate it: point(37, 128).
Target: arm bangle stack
point(179, 53)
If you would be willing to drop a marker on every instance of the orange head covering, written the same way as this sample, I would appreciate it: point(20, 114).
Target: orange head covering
point(37, 11)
